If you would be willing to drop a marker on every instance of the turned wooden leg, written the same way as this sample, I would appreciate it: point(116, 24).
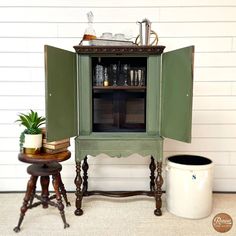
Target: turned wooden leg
point(158, 190)
point(30, 187)
point(63, 190)
point(78, 193)
point(85, 168)
point(44, 180)
point(152, 168)
point(33, 192)
point(56, 183)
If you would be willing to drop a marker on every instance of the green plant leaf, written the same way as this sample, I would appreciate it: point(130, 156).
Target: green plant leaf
point(40, 121)
point(24, 121)
point(34, 116)
point(22, 140)
point(31, 121)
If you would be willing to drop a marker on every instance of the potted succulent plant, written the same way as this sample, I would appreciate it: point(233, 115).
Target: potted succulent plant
point(31, 137)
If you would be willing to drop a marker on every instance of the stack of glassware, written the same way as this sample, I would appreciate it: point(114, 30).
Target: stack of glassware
point(119, 75)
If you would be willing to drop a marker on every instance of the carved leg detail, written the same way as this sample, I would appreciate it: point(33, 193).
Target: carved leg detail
point(30, 187)
point(85, 168)
point(78, 193)
point(152, 168)
point(44, 180)
point(63, 190)
point(33, 192)
point(158, 191)
point(56, 183)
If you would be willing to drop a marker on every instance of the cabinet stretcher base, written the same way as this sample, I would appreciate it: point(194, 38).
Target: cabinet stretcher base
point(155, 187)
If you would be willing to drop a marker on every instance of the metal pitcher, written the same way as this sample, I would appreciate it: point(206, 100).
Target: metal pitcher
point(145, 33)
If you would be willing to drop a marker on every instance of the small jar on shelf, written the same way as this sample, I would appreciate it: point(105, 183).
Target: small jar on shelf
point(105, 82)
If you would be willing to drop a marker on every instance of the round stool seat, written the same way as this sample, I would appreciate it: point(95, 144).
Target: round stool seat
point(44, 170)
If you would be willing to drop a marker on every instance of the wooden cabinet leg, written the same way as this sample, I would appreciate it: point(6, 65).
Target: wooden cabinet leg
point(30, 188)
point(152, 168)
point(78, 193)
point(158, 190)
point(85, 168)
point(63, 190)
point(44, 180)
point(56, 183)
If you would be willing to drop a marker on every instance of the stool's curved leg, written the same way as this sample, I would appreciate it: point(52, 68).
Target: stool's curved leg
point(56, 183)
point(78, 193)
point(44, 180)
point(33, 193)
point(63, 190)
point(30, 187)
point(158, 191)
point(85, 168)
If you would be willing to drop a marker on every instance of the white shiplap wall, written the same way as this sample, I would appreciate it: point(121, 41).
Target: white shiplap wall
point(25, 26)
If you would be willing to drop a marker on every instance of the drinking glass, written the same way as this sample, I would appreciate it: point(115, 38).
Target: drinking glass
point(136, 78)
point(114, 74)
point(125, 72)
point(99, 75)
point(131, 77)
point(139, 77)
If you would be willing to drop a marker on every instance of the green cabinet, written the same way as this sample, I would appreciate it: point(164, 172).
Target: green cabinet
point(131, 115)
point(69, 100)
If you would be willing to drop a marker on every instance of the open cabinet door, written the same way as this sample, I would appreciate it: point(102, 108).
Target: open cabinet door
point(61, 103)
point(177, 92)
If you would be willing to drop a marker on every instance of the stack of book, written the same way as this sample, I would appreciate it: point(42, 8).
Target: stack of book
point(55, 146)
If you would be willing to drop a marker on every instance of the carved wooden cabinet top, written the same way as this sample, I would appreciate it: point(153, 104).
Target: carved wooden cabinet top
point(157, 50)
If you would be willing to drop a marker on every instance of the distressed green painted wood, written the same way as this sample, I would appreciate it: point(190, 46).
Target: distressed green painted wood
point(153, 95)
point(85, 94)
point(61, 95)
point(177, 92)
point(120, 135)
point(118, 147)
point(168, 104)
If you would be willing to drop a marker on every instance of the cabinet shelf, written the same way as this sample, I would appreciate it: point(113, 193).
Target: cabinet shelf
point(137, 127)
point(135, 88)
